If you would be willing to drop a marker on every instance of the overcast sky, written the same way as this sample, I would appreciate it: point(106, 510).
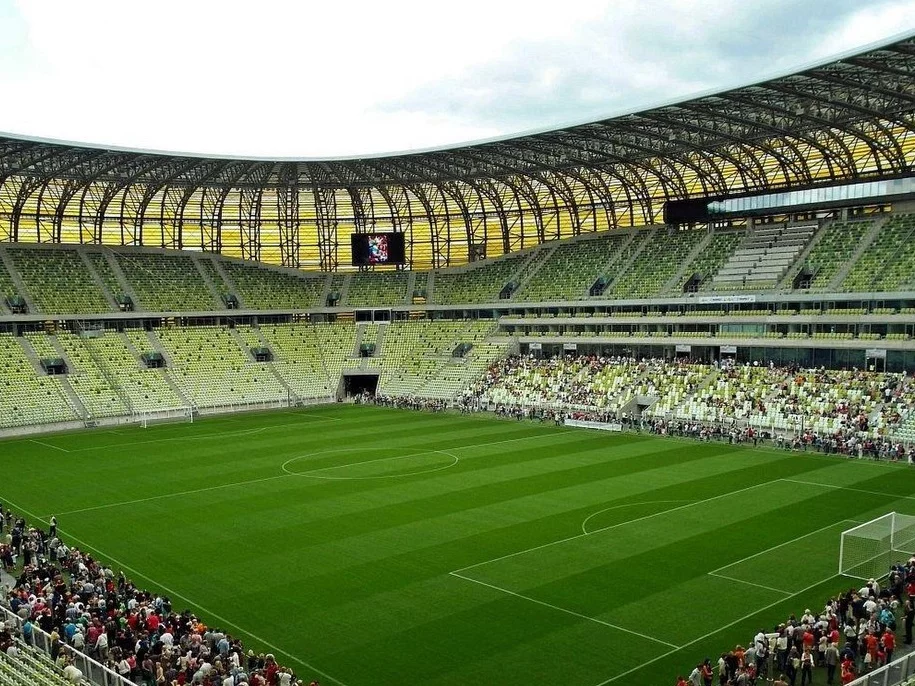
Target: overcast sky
point(324, 78)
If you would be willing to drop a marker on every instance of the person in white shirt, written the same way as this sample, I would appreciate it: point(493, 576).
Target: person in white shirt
point(72, 674)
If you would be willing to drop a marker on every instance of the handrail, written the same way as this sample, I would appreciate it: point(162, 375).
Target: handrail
point(890, 674)
point(93, 670)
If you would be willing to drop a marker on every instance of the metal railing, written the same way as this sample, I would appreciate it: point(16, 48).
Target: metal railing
point(894, 673)
point(92, 670)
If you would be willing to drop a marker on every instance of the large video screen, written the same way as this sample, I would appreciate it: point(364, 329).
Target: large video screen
point(370, 249)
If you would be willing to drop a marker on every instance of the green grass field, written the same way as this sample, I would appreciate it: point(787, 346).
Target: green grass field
point(373, 547)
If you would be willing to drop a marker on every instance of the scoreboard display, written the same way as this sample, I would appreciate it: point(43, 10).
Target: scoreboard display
point(370, 249)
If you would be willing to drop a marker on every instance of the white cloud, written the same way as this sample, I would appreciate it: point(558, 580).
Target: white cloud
point(308, 79)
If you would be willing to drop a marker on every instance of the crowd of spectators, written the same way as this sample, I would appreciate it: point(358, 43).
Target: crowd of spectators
point(853, 634)
point(403, 402)
point(848, 444)
point(84, 605)
point(847, 412)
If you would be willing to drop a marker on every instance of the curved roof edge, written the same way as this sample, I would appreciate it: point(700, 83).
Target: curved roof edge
point(507, 138)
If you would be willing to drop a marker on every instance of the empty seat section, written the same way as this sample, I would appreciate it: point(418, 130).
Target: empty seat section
point(264, 288)
point(888, 263)
point(92, 386)
point(372, 289)
point(146, 390)
point(571, 270)
point(166, 283)
point(661, 258)
point(58, 281)
point(212, 370)
point(479, 283)
point(25, 396)
point(713, 256)
point(763, 257)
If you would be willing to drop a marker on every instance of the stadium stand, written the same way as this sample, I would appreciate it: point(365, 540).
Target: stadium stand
point(166, 283)
point(571, 271)
point(145, 390)
point(299, 359)
point(625, 251)
point(212, 370)
point(659, 260)
point(93, 387)
point(763, 257)
point(476, 284)
point(27, 398)
point(887, 263)
point(7, 287)
point(834, 250)
point(58, 281)
point(710, 260)
point(265, 288)
point(373, 289)
point(106, 274)
point(776, 399)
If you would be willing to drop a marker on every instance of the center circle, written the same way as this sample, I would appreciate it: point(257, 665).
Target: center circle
point(332, 472)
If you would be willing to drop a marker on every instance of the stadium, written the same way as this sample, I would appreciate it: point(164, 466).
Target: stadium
point(586, 406)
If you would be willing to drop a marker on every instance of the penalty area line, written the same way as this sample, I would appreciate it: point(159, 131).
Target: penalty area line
point(850, 488)
point(749, 583)
point(48, 445)
point(717, 630)
point(565, 610)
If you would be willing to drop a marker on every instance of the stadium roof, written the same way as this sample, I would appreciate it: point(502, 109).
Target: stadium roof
point(850, 118)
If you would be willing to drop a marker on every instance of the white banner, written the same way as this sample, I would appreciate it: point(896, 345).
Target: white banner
point(535, 346)
point(728, 349)
point(683, 348)
point(570, 346)
point(722, 299)
point(602, 426)
point(879, 353)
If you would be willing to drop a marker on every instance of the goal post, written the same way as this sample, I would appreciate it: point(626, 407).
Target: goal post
point(868, 550)
point(175, 414)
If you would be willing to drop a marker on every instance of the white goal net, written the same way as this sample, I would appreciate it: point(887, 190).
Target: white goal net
point(868, 550)
point(176, 414)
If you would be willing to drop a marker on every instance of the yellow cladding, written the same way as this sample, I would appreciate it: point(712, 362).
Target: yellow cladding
point(602, 199)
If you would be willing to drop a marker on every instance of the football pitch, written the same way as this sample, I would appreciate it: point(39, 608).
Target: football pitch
point(369, 546)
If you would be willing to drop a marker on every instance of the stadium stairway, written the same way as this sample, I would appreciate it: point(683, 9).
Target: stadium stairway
point(17, 279)
point(411, 286)
point(533, 265)
point(156, 346)
point(836, 283)
point(206, 271)
point(379, 340)
point(122, 279)
point(624, 257)
point(672, 284)
point(430, 286)
point(230, 284)
point(345, 281)
point(97, 280)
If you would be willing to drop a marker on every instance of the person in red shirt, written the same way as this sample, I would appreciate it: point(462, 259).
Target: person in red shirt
point(808, 639)
point(889, 644)
point(870, 644)
point(681, 681)
point(848, 671)
point(706, 672)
